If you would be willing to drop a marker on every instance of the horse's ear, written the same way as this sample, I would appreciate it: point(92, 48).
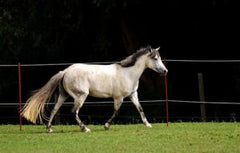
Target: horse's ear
point(149, 48)
point(158, 48)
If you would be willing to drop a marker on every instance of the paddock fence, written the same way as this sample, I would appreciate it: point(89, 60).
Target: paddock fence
point(198, 90)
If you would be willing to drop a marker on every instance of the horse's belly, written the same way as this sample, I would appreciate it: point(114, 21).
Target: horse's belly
point(101, 90)
point(106, 94)
point(99, 94)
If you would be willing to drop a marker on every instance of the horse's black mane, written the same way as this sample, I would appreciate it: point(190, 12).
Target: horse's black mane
point(131, 60)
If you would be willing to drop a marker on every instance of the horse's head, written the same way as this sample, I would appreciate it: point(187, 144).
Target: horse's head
point(154, 61)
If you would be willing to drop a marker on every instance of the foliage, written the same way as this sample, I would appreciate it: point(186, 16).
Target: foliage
point(71, 31)
point(42, 31)
point(178, 137)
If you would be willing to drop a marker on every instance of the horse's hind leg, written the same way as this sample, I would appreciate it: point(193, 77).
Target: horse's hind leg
point(117, 104)
point(60, 97)
point(78, 102)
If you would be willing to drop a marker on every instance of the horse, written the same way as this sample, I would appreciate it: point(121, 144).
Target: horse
point(118, 81)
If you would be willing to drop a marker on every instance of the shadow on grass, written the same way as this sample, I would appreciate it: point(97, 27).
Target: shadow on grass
point(60, 129)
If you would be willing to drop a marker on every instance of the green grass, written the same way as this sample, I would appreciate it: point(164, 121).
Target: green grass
point(177, 138)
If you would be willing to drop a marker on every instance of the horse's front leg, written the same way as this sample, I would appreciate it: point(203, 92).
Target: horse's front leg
point(134, 99)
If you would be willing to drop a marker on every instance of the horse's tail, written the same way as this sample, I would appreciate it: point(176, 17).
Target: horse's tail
point(35, 105)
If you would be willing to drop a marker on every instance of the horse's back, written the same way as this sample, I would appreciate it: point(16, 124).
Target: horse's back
point(95, 79)
point(90, 68)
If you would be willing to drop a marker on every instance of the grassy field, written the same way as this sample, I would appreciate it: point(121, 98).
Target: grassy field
point(177, 138)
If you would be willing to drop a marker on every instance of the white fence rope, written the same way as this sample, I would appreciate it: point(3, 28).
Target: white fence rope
point(110, 62)
point(142, 101)
point(204, 61)
point(53, 64)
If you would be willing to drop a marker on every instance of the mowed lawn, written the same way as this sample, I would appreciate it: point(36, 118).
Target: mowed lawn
point(177, 138)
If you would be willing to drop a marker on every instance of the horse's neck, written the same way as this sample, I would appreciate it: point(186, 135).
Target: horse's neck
point(135, 71)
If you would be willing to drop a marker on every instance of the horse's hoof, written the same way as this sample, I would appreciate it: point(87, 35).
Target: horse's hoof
point(106, 126)
point(49, 130)
point(148, 125)
point(86, 129)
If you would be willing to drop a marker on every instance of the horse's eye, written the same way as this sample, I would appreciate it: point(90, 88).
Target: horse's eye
point(155, 59)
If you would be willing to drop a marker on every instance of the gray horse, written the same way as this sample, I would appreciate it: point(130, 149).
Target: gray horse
point(118, 80)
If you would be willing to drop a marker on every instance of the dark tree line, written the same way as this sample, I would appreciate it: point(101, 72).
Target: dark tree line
point(69, 31)
point(57, 31)
point(49, 31)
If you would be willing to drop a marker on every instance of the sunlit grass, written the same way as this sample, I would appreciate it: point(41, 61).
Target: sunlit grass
point(178, 137)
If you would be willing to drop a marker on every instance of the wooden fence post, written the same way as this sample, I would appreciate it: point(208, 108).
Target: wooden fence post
point(202, 96)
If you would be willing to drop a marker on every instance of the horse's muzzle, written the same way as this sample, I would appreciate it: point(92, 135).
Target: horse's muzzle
point(163, 71)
